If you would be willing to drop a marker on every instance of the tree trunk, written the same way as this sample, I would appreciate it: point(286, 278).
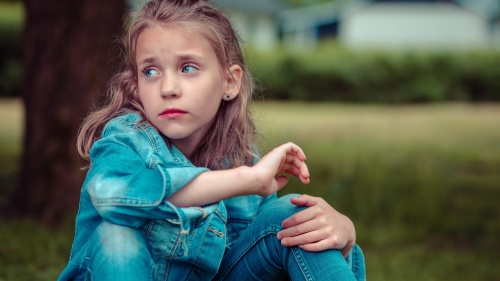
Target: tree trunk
point(67, 63)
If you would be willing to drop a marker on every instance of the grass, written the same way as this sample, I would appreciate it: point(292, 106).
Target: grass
point(420, 182)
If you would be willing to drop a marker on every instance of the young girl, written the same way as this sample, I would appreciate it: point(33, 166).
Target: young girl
point(174, 190)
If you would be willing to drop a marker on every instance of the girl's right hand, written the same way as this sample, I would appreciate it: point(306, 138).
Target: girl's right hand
point(285, 159)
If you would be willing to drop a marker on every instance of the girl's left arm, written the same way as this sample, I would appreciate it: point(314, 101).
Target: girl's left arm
point(317, 228)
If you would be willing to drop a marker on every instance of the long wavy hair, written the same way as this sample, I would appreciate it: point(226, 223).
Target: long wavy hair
point(230, 141)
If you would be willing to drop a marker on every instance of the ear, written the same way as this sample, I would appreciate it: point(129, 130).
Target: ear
point(232, 82)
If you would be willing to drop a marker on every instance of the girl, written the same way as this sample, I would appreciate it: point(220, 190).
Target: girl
point(173, 190)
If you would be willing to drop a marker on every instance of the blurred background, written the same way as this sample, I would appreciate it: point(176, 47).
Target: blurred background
point(396, 104)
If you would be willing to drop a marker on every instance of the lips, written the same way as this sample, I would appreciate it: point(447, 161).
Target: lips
point(172, 113)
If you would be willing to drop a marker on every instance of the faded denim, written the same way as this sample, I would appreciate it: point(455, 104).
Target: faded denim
point(126, 230)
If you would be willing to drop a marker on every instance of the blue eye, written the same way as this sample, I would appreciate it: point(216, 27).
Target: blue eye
point(150, 72)
point(189, 69)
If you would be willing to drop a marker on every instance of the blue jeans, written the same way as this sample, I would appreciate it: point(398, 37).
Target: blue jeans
point(122, 253)
point(258, 255)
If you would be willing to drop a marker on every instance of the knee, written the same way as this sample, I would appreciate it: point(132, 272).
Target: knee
point(282, 209)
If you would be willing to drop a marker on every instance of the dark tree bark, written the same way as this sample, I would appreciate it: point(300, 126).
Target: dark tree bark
point(68, 59)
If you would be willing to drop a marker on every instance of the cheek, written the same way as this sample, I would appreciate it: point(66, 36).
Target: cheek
point(143, 92)
point(144, 99)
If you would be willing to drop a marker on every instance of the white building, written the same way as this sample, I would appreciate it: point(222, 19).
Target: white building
point(415, 25)
point(442, 24)
point(254, 20)
point(459, 24)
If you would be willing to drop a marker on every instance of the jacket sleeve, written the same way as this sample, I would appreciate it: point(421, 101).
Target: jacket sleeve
point(128, 181)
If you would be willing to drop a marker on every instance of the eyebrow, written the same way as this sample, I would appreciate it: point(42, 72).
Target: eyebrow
point(182, 57)
point(146, 61)
point(190, 57)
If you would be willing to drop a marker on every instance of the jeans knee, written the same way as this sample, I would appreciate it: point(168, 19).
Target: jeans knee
point(282, 209)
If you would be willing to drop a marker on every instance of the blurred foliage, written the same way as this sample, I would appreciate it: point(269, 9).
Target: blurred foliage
point(11, 22)
point(336, 74)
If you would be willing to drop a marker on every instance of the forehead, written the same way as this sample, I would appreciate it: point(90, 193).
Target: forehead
point(168, 39)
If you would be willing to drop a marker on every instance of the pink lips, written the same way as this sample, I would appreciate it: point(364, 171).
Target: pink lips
point(172, 113)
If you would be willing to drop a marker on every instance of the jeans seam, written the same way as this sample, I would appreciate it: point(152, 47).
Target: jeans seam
point(266, 232)
point(300, 263)
point(356, 264)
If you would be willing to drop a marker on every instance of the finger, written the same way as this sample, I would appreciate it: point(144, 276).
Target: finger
point(290, 169)
point(294, 159)
point(281, 181)
point(317, 246)
point(329, 242)
point(306, 200)
point(290, 157)
point(303, 172)
point(296, 150)
point(302, 166)
point(299, 218)
point(299, 229)
point(295, 171)
point(303, 239)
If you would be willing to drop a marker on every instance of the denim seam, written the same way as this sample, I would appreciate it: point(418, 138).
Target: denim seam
point(301, 263)
point(171, 256)
point(266, 232)
point(356, 266)
point(88, 274)
point(146, 130)
point(149, 228)
point(199, 249)
point(354, 261)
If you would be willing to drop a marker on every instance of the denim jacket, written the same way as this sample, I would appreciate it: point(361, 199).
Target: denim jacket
point(132, 172)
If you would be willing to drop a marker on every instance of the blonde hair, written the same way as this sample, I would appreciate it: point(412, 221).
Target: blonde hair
point(230, 141)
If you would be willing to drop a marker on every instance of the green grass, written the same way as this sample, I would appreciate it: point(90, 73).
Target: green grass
point(421, 183)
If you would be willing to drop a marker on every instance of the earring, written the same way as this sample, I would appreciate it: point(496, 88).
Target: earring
point(228, 97)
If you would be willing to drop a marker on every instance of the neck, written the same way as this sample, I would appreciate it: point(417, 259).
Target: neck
point(185, 147)
point(187, 151)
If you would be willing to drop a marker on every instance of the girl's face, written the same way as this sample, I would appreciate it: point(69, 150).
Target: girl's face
point(181, 83)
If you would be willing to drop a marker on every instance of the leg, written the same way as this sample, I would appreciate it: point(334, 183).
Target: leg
point(356, 262)
point(118, 253)
point(258, 254)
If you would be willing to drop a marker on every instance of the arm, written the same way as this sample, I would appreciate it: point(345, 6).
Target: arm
point(319, 227)
point(131, 175)
point(261, 179)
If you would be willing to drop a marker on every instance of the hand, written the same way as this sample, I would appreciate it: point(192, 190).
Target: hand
point(317, 228)
point(285, 159)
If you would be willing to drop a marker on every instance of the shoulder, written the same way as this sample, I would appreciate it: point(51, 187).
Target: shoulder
point(132, 131)
point(126, 122)
point(132, 125)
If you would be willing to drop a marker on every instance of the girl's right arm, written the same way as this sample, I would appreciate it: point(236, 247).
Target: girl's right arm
point(264, 178)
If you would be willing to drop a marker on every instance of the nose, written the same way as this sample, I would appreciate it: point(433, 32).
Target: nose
point(170, 87)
